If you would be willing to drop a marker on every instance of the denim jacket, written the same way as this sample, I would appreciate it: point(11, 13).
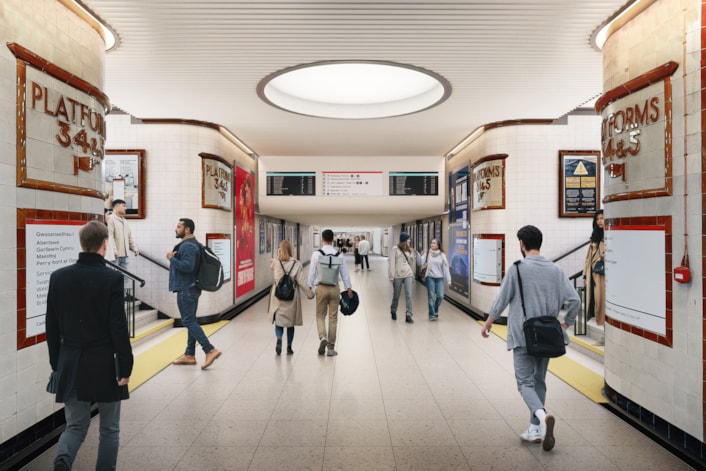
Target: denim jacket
point(182, 266)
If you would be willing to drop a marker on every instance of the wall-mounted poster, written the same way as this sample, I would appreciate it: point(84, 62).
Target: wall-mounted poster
point(637, 254)
point(220, 244)
point(488, 258)
point(488, 185)
point(217, 182)
point(124, 179)
point(459, 230)
point(262, 236)
point(46, 244)
point(579, 183)
point(244, 232)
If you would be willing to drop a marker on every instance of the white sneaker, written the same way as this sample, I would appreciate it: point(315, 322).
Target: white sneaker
point(532, 436)
point(548, 436)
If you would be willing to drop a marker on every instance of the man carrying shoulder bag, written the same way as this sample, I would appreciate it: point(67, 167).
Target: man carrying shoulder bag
point(545, 290)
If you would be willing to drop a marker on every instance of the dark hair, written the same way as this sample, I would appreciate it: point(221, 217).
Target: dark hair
point(92, 236)
point(327, 235)
point(531, 237)
point(438, 244)
point(188, 224)
point(597, 234)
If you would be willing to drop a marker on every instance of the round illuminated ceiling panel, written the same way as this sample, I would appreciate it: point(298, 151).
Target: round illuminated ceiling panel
point(354, 90)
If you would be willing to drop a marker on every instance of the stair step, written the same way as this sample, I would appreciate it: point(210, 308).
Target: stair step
point(151, 329)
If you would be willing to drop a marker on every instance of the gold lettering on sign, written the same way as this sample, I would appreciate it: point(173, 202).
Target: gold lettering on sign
point(79, 125)
point(620, 131)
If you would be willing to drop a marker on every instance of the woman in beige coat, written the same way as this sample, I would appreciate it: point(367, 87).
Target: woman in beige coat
point(595, 282)
point(287, 313)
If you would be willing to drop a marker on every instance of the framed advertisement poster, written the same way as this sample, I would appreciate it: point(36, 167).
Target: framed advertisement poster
point(124, 179)
point(579, 183)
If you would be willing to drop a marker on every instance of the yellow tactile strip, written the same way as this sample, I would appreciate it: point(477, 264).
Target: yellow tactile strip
point(154, 360)
point(572, 373)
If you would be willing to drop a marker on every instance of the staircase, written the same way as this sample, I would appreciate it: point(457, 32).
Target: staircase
point(148, 325)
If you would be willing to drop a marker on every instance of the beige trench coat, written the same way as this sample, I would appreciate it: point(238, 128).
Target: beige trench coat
point(287, 313)
point(595, 289)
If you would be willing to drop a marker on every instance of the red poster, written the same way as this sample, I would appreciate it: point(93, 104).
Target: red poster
point(244, 231)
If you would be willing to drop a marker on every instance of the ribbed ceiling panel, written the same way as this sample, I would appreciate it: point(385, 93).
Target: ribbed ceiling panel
point(203, 60)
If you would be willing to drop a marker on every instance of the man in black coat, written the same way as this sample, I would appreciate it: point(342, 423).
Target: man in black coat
point(89, 347)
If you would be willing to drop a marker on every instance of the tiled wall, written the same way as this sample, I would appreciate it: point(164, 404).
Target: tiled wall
point(532, 191)
point(666, 380)
point(51, 31)
point(173, 181)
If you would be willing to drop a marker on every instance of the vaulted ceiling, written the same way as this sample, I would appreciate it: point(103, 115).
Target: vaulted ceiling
point(203, 60)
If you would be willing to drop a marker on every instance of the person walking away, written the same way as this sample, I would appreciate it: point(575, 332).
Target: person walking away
point(363, 250)
point(327, 292)
point(402, 268)
point(437, 272)
point(595, 282)
point(546, 289)
point(356, 254)
point(121, 234)
point(88, 338)
point(287, 313)
point(183, 263)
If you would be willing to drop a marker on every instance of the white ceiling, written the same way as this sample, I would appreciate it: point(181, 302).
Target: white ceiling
point(203, 60)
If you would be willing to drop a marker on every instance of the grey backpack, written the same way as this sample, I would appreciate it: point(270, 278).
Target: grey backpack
point(329, 266)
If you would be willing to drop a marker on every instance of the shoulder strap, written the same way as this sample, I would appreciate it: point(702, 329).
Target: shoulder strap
point(522, 296)
point(322, 251)
point(285, 270)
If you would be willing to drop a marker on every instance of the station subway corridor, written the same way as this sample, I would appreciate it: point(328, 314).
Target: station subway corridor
point(422, 396)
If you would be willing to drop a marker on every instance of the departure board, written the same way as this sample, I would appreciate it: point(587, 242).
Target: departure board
point(414, 183)
point(291, 183)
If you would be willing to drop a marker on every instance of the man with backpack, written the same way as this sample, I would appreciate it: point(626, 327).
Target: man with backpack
point(327, 266)
point(183, 266)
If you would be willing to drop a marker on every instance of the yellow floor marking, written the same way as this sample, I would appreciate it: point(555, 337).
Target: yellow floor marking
point(572, 373)
point(154, 360)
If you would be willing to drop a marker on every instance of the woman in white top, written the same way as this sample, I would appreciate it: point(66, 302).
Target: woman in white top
point(437, 271)
point(403, 267)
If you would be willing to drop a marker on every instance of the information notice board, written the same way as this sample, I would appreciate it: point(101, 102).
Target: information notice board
point(291, 183)
point(414, 183)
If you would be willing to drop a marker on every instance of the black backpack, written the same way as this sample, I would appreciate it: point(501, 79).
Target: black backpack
point(285, 286)
point(209, 272)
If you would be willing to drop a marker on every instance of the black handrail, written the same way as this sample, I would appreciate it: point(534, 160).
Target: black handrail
point(151, 259)
point(126, 273)
point(572, 251)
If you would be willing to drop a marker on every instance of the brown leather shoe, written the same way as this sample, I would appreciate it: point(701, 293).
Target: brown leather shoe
point(210, 358)
point(185, 360)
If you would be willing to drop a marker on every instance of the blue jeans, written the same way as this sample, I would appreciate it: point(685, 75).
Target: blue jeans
point(122, 262)
point(78, 418)
point(396, 287)
point(188, 302)
point(435, 294)
point(290, 334)
point(530, 374)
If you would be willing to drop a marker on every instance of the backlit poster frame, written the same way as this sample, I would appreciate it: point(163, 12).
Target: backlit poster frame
point(244, 232)
point(459, 229)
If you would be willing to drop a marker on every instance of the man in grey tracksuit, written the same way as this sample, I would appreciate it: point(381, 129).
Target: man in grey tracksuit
point(546, 289)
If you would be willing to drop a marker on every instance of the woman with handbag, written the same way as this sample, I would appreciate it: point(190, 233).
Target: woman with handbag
point(287, 313)
point(594, 274)
point(436, 272)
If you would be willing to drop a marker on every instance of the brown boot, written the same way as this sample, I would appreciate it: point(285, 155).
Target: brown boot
point(210, 358)
point(185, 360)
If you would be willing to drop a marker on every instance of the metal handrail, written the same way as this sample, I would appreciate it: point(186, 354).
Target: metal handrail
point(126, 273)
point(153, 260)
point(572, 251)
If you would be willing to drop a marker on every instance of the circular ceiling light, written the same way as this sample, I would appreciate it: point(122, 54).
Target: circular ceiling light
point(354, 90)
